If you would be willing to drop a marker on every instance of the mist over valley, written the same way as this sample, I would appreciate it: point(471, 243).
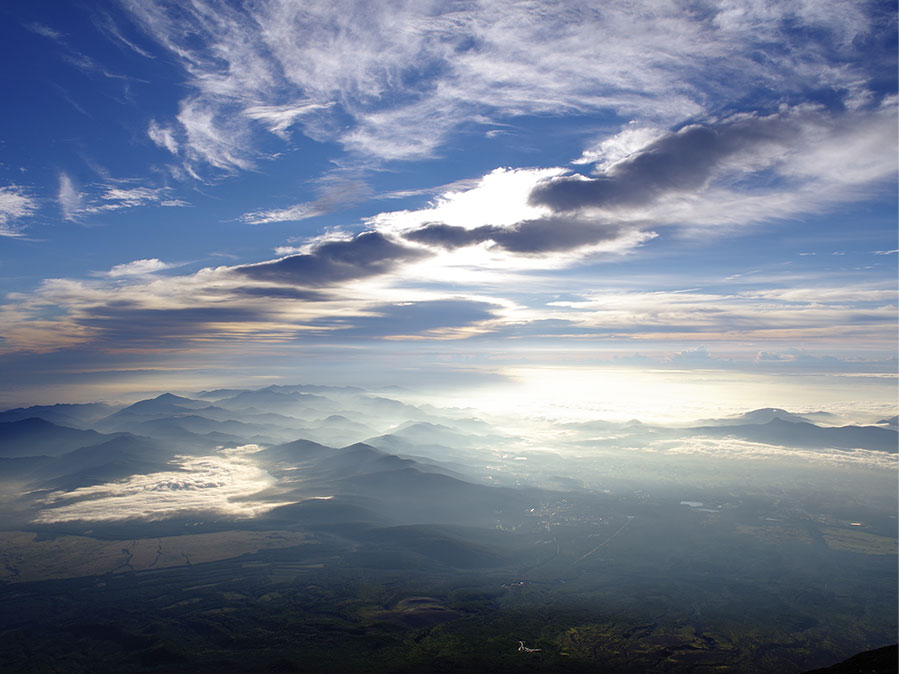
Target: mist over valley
point(404, 534)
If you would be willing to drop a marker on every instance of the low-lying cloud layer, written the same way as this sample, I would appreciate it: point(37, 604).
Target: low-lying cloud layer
point(728, 449)
point(218, 484)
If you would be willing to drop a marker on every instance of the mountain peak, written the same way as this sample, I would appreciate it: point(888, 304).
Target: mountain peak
point(170, 398)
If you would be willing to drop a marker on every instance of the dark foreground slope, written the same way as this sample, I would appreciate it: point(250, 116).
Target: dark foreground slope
point(883, 660)
point(597, 583)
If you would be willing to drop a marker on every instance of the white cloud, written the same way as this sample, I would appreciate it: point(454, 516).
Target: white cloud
point(115, 197)
point(279, 118)
point(214, 136)
point(308, 244)
point(455, 186)
point(162, 136)
point(295, 212)
point(137, 268)
point(70, 199)
point(289, 250)
point(499, 198)
point(15, 204)
point(630, 139)
point(738, 18)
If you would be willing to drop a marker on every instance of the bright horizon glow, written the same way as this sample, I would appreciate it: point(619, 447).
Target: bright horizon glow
point(671, 397)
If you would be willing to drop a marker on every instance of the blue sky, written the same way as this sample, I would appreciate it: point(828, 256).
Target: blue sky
point(448, 193)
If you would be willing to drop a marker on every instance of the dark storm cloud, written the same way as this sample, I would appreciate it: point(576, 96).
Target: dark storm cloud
point(285, 292)
point(541, 235)
point(124, 324)
point(366, 255)
point(678, 162)
point(449, 236)
point(554, 234)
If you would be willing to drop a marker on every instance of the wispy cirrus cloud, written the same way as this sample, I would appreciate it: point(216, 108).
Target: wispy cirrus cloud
point(116, 197)
point(69, 198)
point(111, 196)
point(793, 361)
point(214, 136)
point(287, 214)
point(107, 25)
point(279, 118)
point(78, 59)
point(776, 314)
point(338, 71)
point(335, 191)
point(44, 30)
point(163, 136)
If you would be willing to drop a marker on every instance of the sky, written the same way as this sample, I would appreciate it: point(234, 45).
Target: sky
point(614, 207)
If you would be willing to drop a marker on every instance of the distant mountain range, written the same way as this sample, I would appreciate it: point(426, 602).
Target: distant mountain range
point(890, 422)
point(36, 436)
point(798, 434)
point(771, 426)
point(75, 415)
point(766, 415)
point(112, 460)
point(358, 510)
point(99, 459)
point(374, 459)
point(399, 489)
